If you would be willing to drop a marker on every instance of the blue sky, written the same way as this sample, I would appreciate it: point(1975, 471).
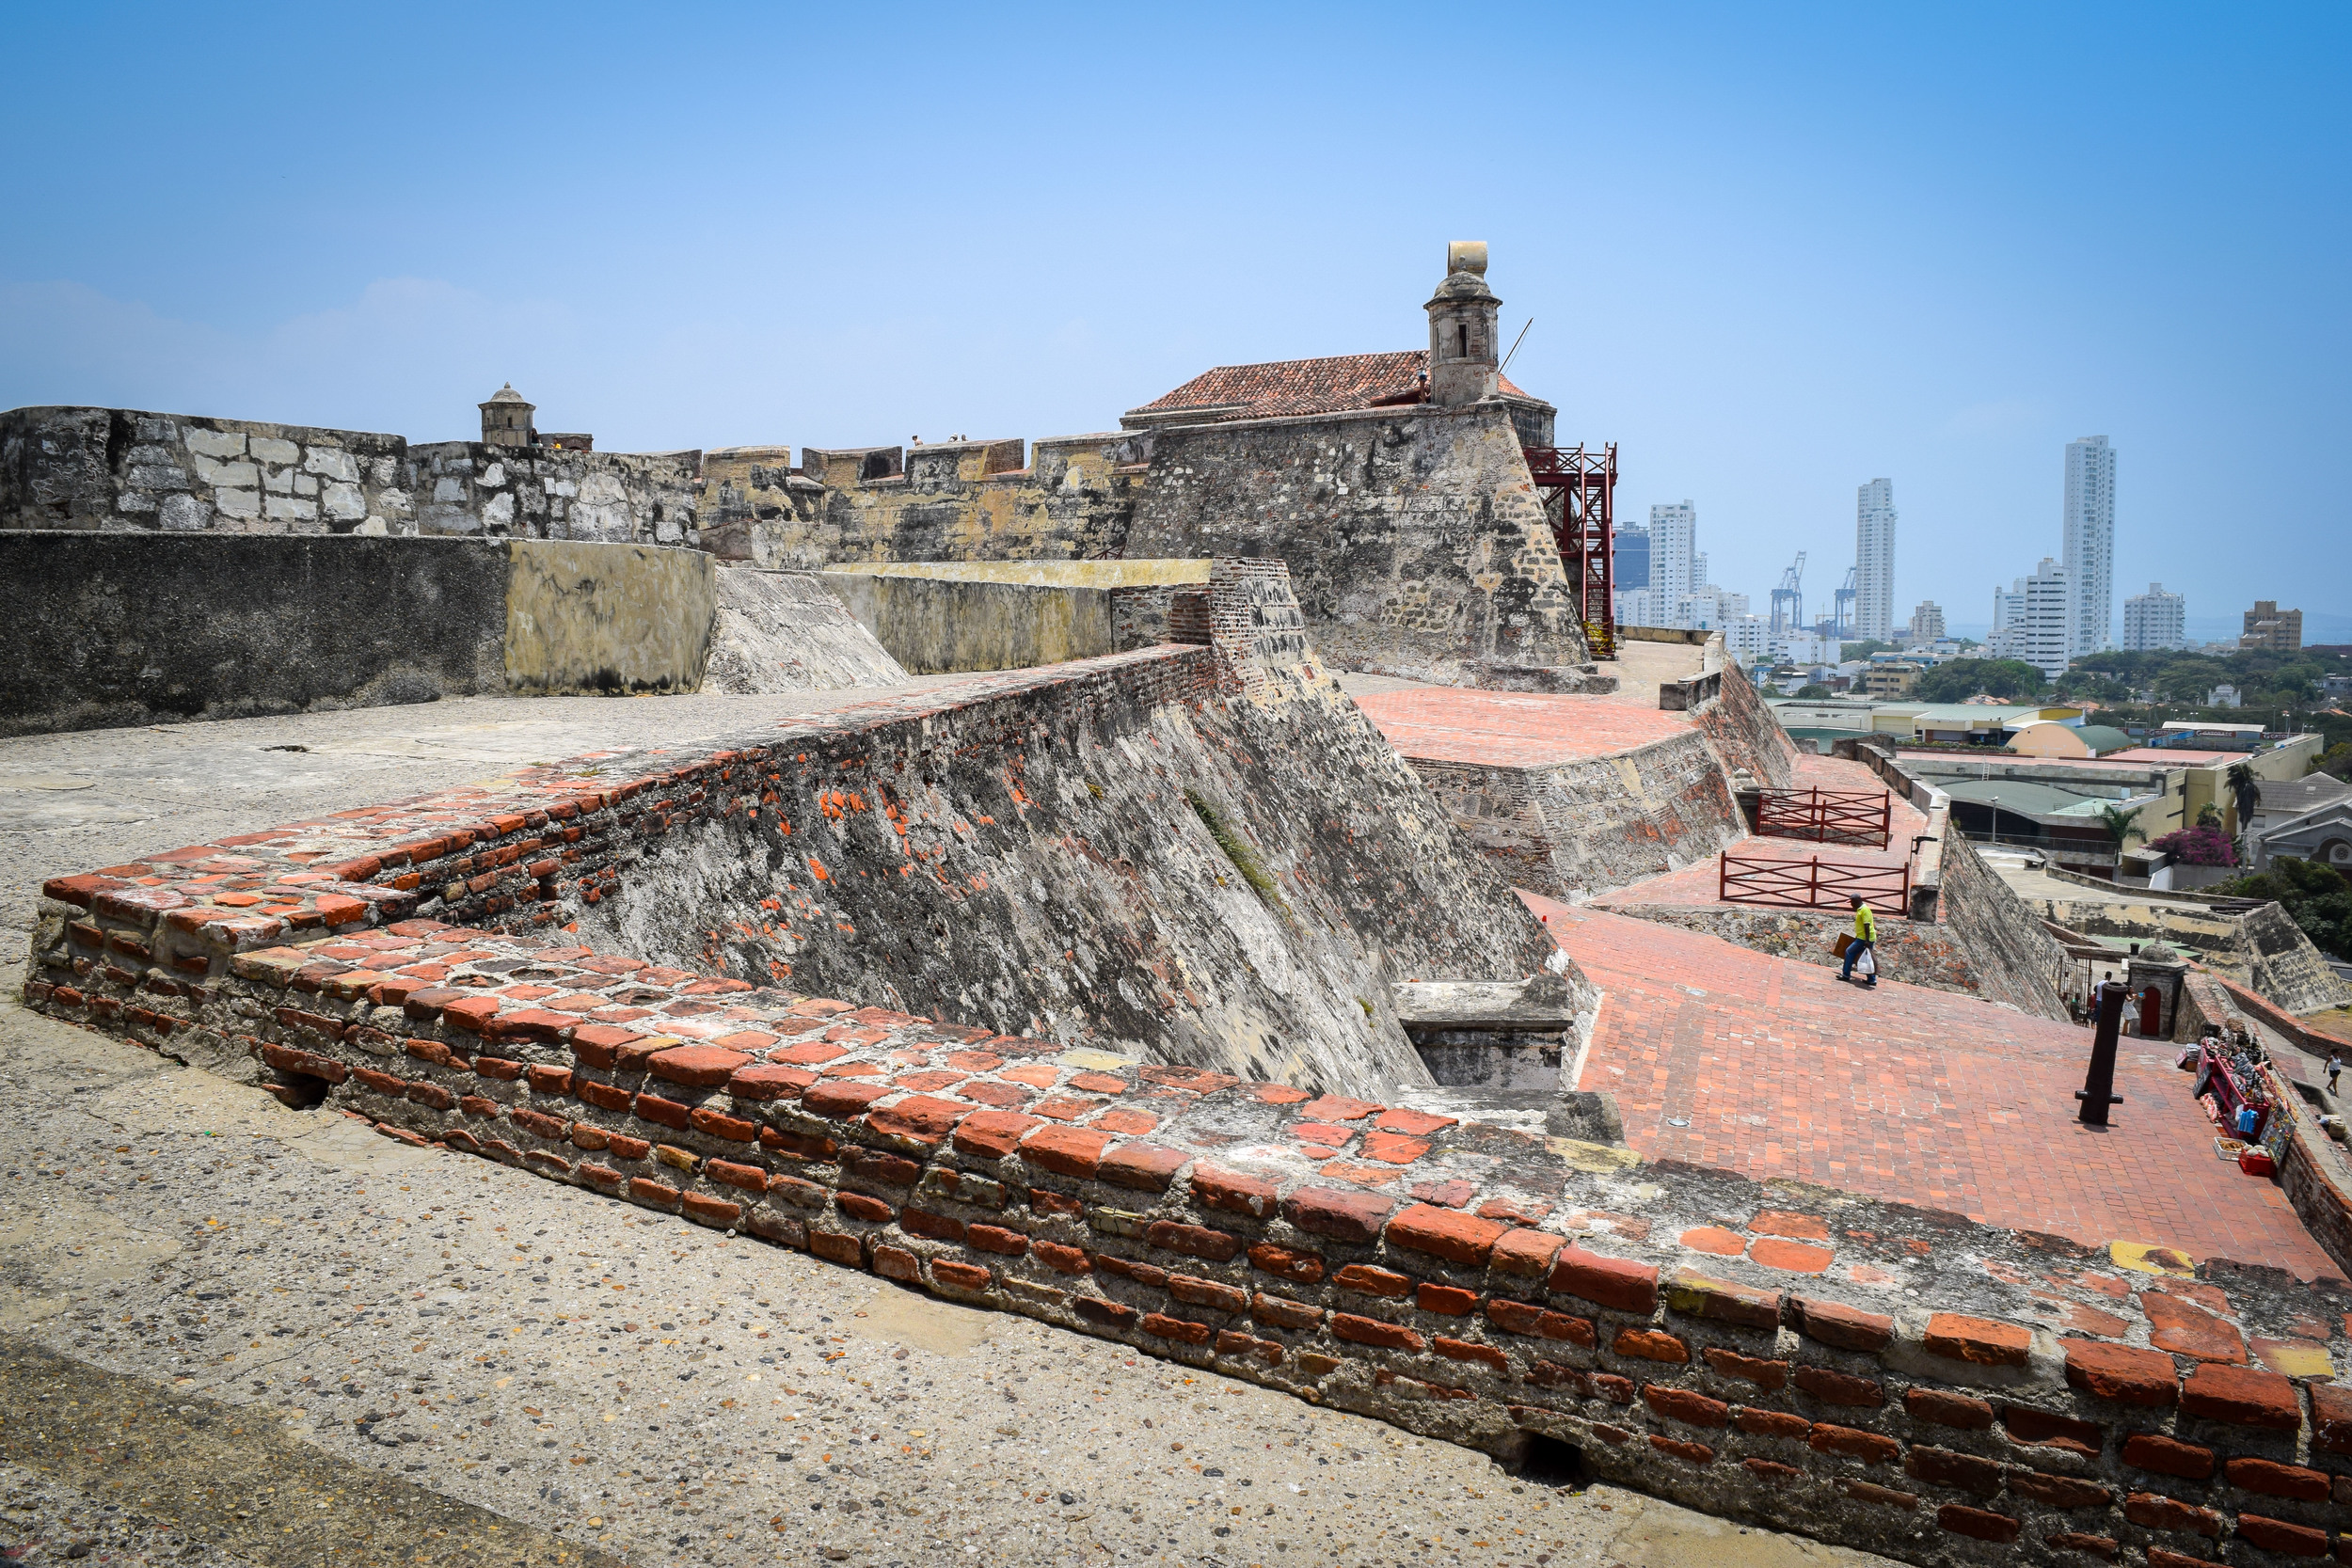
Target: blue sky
point(1771, 252)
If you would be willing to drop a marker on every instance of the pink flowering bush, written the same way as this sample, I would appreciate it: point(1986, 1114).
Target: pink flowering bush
point(2198, 846)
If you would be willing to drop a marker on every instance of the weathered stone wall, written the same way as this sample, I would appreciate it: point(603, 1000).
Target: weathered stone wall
point(785, 631)
point(124, 470)
point(970, 501)
point(618, 618)
point(463, 488)
point(943, 617)
point(117, 468)
point(2016, 959)
point(1108, 852)
point(1573, 829)
point(1414, 536)
point(134, 628)
point(1745, 732)
point(2261, 947)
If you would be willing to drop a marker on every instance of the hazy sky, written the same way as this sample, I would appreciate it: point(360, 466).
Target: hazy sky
point(1771, 252)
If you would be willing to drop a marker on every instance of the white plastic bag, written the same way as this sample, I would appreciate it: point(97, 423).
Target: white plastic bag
point(1866, 966)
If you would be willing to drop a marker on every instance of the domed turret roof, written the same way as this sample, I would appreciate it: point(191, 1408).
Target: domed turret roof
point(506, 394)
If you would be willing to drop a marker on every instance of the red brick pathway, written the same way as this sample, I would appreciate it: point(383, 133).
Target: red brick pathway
point(1700, 883)
point(1507, 729)
point(1905, 1093)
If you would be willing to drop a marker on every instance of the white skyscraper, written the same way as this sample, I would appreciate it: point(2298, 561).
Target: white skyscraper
point(2008, 613)
point(1874, 560)
point(2090, 541)
point(1673, 550)
point(2154, 620)
point(2043, 633)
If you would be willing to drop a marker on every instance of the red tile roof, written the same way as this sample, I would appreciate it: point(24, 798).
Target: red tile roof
point(1287, 386)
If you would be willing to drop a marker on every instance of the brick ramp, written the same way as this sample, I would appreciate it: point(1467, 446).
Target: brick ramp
point(1908, 1094)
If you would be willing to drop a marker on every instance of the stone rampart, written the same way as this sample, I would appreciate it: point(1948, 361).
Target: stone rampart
point(2261, 947)
point(136, 628)
point(965, 501)
point(462, 487)
point(1746, 734)
point(1572, 830)
point(110, 470)
point(1881, 1376)
point(2015, 961)
point(785, 631)
point(941, 617)
point(1414, 536)
point(1120, 851)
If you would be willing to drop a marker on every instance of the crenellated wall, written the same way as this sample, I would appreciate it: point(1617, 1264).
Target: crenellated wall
point(1072, 500)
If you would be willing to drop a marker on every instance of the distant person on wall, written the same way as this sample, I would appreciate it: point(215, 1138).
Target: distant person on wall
point(1866, 936)
point(2335, 1065)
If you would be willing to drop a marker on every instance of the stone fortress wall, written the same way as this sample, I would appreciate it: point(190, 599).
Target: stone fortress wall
point(116, 469)
point(1874, 1374)
point(114, 627)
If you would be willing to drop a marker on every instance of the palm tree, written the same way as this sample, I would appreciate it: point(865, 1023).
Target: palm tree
point(2122, 825)
point(2246, 793)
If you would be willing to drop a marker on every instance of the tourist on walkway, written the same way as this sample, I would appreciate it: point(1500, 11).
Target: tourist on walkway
point(2335, 1065)
point(1866, 936)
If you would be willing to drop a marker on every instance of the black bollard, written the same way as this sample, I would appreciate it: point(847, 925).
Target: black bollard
point(2098, 1090)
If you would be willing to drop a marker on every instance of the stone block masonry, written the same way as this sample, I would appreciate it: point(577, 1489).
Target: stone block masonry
point(117, 628)
point(114, 470)
point(1414, 536)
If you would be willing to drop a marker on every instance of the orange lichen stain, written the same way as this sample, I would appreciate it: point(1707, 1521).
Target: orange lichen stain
point(817, 869)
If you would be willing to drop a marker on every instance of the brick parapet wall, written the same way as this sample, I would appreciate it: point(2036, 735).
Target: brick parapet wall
point(1882, 1376)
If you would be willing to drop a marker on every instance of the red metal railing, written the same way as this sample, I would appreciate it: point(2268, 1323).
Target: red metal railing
point(1811, 885)
point(1827, 816)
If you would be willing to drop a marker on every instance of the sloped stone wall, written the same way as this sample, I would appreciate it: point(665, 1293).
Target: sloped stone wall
point(2016, 959)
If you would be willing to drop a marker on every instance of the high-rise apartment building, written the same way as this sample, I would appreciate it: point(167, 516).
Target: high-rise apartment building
point(1629, 557)
point(1702, 575)
point(2043, 634)
point(2154, 620)
point(2268, 627)
point(1673, 531)
point(2090, 540)
point(1874, 560)
point(1927, 624)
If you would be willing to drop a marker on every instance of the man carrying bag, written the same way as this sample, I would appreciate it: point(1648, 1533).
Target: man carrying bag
point(1861, 950)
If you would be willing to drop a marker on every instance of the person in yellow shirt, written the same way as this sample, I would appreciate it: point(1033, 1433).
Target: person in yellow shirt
point(1866, 936)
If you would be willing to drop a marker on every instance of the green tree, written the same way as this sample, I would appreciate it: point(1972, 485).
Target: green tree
point(2246, 792)
point(1958, 679)
point(1815, 691)
point(2121, 823)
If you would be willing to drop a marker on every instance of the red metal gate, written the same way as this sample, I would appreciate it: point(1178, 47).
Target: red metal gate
point(1577, 486)
point(1827, 816)
point(1811, 885)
